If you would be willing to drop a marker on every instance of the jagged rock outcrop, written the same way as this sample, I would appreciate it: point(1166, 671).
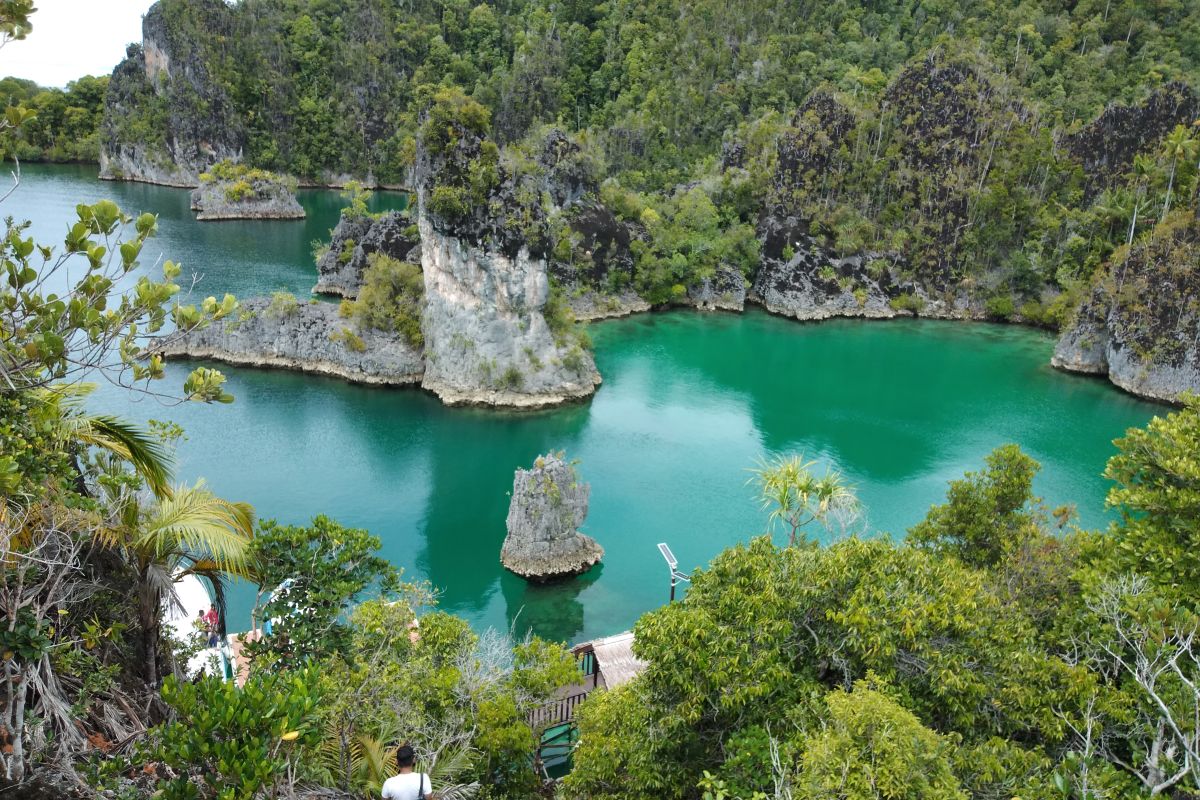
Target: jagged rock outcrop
point(589, 305)
point(548, 505)
point(1140, 325)
point(356, 237)
point(815, 284)
point(166, 117)
point(310, 337)
point(233, 191)
point(1106, 147)
point(487, 337)
point(599, 258)
point(724, 291)
point(806, 151)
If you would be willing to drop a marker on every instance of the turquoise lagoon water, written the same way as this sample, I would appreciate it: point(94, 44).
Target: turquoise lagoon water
point(689, 403)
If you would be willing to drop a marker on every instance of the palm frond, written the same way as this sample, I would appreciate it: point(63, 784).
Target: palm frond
point(452, 763)
point(147, 455)
point(195, 522)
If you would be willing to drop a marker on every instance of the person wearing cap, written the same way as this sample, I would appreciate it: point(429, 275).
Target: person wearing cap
point(406, 784)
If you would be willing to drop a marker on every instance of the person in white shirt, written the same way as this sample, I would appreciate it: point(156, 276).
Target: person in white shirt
point(406, 784)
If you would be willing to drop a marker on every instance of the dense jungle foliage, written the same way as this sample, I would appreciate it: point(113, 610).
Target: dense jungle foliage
point(66, 126)
point(960, 144)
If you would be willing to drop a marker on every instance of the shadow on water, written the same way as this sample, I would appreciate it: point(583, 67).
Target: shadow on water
point(550, 610)
point(473, 454)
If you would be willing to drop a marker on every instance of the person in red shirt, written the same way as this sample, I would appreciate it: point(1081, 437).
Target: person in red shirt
point(212, 620)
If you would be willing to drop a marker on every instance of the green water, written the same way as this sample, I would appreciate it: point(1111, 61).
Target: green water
point(689, 402)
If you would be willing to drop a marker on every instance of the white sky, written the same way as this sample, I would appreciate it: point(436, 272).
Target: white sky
point(72, 38)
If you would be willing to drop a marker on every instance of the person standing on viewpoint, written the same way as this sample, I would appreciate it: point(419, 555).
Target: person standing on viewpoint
point(213, 621)
point(406, 784)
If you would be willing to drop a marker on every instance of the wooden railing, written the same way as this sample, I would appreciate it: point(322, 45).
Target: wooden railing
point(562, 710)
point(559, 712)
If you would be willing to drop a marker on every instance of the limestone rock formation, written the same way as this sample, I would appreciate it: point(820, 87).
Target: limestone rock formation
point(1140, 325)
point(310, 337)
point(724, 291)
point(234, 191)
point(549, 503)
point(816, 284)
point(1107, 145)
point(487, 337)
point(165, 85)
point(356, 237)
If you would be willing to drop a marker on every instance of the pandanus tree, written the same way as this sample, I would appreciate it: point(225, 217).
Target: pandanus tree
point(793, 492)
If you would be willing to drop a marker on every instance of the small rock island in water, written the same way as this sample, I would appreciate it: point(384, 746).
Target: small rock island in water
point(235, 191)
point(549, 503)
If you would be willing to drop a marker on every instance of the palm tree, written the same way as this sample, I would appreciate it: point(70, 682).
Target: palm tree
point(75, 430)
point(1178, 145)
point(796, 496)
point(1143, 169)
point(188, 532)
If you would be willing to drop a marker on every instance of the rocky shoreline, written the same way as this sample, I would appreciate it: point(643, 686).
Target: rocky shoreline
point(308, 337)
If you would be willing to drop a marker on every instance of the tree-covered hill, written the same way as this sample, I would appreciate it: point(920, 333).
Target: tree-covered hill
point(979, 155)
point(66, 122)
point(312, 85)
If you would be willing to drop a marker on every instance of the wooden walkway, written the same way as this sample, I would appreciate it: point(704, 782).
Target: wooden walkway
point(604, 663)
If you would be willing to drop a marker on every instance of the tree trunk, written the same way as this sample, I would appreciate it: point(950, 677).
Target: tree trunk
point(1170, 184)
point(148, 619)
point(12, 728)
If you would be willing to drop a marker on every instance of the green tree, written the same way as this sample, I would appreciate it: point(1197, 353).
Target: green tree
point(988, 515)
point(1157, 472)
point(872, 748)
point(311, 575)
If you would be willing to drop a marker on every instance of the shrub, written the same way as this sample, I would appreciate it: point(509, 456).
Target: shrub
point(907, 302)
point(238, 191)
point(1001, 307)
point(283, 305)
point(347, 252)
point(558, 314)
point(235, 742)
point(449, 202)
point(511, 379)
point(349, 338)
point(391, 298)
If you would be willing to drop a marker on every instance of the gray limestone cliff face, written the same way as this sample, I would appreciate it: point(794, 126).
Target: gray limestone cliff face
point(724, 291)
point(1140, 325)
point(269, 200)
point(486, 339)
point(814, 284)
point(340, 268)
point(166, 79)
point(487, 285)
point(548, 505)
point(310, 337)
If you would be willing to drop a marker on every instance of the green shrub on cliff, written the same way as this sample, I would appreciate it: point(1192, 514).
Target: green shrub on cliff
point(282, 305)
point(391, 298)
